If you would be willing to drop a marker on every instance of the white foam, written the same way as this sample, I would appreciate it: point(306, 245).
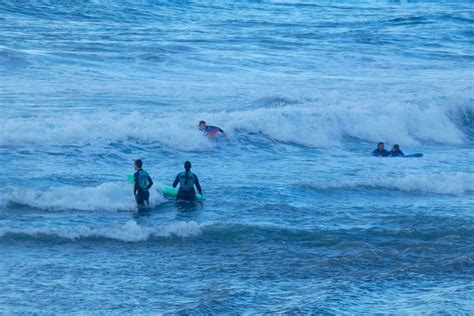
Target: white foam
point(112, 196)
point(326, 125)
point(455, 184)
point(102, 127)
point(312, 123)
point(128, 232)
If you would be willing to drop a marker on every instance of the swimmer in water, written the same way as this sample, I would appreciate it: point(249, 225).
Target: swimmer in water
point(187, 181)
point(142, 184)
point(396, 152)
point(380, 151)
point(210, 131)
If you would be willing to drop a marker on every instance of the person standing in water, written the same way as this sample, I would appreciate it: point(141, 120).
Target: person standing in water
point(396, 152)
point(210, 130)
point(187, 180)
point(142, 183)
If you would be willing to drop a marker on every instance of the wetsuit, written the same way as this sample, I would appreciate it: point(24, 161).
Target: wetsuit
point(380, 153)
point(397, 153)
point(187, 181)
point(143, 183)
point(212, 130)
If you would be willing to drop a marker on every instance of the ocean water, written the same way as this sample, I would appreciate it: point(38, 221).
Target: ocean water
point(298, 217)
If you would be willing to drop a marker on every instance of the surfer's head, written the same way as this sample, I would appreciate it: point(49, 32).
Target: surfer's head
point(138, 164)
point(202, 125)
point(187, 165)
point(395, 147)
point(380, 146)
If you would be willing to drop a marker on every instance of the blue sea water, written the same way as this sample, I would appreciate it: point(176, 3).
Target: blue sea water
point(298, 217)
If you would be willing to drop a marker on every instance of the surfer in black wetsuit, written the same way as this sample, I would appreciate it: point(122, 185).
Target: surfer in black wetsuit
point(187, 180)
point(380, 151)
point(396, 152)
point(142, 183)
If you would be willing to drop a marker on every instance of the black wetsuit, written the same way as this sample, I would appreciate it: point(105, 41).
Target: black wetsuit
point(187, 181)
point(140, 189)
point(380, 153)
point(397, 153)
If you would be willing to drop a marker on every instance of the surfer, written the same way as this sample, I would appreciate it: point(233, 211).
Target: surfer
point(395, 151)
point(142, 184)
point(380, 151)
point(187, 180)
point(210, 130)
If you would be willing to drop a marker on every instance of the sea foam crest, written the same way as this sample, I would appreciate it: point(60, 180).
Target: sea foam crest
point(454, 184)
point(311, 124)
point(128, 232)
point(110, 196)
point(326, 125)
point(104, 127)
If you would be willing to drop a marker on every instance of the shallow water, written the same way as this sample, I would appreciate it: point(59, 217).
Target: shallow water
point(298, 217)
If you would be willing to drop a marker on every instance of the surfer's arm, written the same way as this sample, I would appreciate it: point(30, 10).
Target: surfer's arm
point(196, 183)
point(175, 183)
point(223, 132)
point(150, 182)
point(135, 183)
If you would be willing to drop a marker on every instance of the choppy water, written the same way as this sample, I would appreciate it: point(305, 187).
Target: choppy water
point(298, 217)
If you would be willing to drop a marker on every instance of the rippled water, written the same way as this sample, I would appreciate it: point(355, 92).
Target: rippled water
point(298, 216)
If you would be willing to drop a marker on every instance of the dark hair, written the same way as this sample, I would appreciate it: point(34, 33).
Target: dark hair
point(187, 167)
point(202, 122)
point(396, 146)
point(139, 163)
point(380, 143)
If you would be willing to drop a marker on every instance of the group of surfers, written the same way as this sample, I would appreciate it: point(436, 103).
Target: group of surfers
point(187, 180)
point(380, 151)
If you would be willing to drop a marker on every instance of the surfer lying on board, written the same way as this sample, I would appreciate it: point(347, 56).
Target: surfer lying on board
point(380, 151)
point(210, 130)
point(187, 180)
point(142, 184)
point(396, 152)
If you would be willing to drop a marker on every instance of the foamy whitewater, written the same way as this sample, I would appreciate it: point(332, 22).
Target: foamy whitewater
point(298, 217)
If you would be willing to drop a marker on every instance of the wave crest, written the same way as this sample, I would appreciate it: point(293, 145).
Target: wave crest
point(129, 232)
point(309, 124)
point(449, 184)
point(110, 196)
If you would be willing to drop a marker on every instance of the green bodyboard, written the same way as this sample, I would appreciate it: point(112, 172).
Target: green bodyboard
point(172, 192)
